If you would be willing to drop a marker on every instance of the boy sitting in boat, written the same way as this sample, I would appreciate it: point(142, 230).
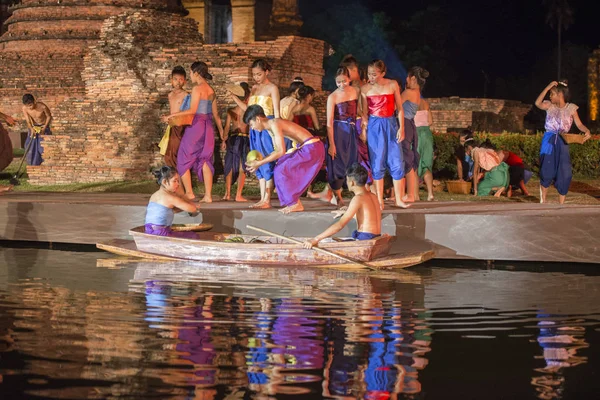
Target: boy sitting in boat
point(364, 205)
point(164, 203)
point(297, 168)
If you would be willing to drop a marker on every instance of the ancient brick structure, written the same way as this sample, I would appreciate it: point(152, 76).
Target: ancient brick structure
point(107, 87)
point(491, 115)
point(248, 20)
point(594, 88)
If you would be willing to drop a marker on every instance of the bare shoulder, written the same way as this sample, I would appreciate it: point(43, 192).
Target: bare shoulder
point(365, 88)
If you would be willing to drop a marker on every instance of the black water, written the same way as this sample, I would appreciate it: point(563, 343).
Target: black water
point(82, 326)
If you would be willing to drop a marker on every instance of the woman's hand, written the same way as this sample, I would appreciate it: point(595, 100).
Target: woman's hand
point(252, 166)
point(165, 118)
point(332, 151)
point(552, 84)
point(588, 136)
point(400, 135)
point(310, 243)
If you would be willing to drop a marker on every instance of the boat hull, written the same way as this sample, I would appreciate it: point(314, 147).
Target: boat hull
point(210, 247)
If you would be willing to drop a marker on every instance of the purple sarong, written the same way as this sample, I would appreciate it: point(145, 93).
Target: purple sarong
point(162, 230)
point(295, 171)
point(363, 151)
point(238, 146)
point(409, 146)
point(34, 154)
point(197, 146)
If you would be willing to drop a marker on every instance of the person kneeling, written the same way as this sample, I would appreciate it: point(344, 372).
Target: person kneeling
point(364, 205)
point(164, 203)
point(294, 170)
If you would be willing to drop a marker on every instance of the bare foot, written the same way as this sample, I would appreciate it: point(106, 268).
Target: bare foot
point(293, 208)
point(402, 204)
point(340, 203)
point(509, 193)
point(381, 206)
point(227, 197)
point(258, 205)
point(525, 192)
point(262, 206)
point(6, 188)
point(190, 197)
point(408, 199)
point(206, 199)
point(499, 192)
point(312, 195)
point(241, 199)
point(430, 198)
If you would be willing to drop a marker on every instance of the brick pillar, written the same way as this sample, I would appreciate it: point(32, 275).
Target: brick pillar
point(242, 15)
point(196, 11)
point(594, 87)
point(285, 18)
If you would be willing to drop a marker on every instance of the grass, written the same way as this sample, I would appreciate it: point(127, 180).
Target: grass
point(582, 191)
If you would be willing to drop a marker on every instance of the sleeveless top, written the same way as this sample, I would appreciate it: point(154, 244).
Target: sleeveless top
point(157, 214)
point(345, 111)
point(381, 105)
point(559, 120)
point(421, 118)
point(410, 109)
point(305, 121)
point(204, 107)
point(266, 102)
point(285, 106)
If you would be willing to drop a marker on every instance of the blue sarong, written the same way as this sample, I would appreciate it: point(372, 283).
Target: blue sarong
point(385, 153)
point(363, 235)
point(555, 163)
point(35, 149)
point(262, 141)
point(345, 139)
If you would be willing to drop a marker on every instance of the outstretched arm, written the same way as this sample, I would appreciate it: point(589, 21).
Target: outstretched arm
point(581, 126)
point(336, 227)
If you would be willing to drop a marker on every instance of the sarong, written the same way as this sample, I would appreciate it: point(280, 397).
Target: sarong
point(425, 150)
point(238, 146)
point(363, 235)
point(173, 144)
point(295, 171)
point(410, 145)
point(263, 142)
point(6, 148)
point(497, 177)
point(555, 163)
point(345, 138)
point(197, 146)
point(162, 230)
point(34, 154)
point(363, 151)
point(385, 153)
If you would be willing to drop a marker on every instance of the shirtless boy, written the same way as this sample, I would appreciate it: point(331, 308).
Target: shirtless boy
point(364, 205)
point(294, 171)
point(38, 117)
point(179, 100)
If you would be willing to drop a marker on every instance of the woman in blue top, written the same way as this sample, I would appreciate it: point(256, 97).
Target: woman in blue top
point(164, 203)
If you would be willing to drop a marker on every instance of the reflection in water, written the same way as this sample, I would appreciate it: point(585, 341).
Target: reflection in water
point(185, 331)
point(560, 341)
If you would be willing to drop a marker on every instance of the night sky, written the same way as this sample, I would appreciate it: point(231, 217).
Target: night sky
point(508, 40)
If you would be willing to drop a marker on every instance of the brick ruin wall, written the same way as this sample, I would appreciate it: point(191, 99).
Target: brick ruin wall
point(110, 132)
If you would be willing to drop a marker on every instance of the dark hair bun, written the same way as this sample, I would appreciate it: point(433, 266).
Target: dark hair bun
point(424, 74)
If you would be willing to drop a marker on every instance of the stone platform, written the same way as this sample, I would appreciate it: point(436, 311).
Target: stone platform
point(472, 230)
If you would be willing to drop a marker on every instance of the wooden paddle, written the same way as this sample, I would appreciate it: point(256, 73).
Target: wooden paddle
point(315, 248)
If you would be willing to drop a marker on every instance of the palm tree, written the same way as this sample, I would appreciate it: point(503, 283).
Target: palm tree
point(559, 16)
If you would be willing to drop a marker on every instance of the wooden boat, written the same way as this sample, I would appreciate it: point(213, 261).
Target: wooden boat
point(260, 250)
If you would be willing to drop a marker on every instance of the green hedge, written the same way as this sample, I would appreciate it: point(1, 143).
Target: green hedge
point(585, 157)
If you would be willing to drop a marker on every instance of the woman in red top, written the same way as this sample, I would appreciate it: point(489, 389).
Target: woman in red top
point(517, 173)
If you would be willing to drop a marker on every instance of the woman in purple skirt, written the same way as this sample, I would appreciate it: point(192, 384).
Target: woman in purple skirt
point(198, 144)
point(162, 205)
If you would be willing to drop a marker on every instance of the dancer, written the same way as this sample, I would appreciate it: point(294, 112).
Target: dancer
point(164, 203)
point(266, 95)
point(495, 176)
point(423, 121)
point(38, 117)
point(415, 81)
point(179, 100)
point(464, 162)
point(237, 147)
point(342, 152)
point(291, 100)
point(303, 113)
point(517, 173)
point(294, 171)
point(555, 160)
point(364, 205)
point(198, 144)
point(384, 131)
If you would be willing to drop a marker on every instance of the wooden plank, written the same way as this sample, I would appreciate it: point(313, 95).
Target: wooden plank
point(128, 248)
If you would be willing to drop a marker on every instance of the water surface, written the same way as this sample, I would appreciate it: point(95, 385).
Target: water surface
point(79, 325)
